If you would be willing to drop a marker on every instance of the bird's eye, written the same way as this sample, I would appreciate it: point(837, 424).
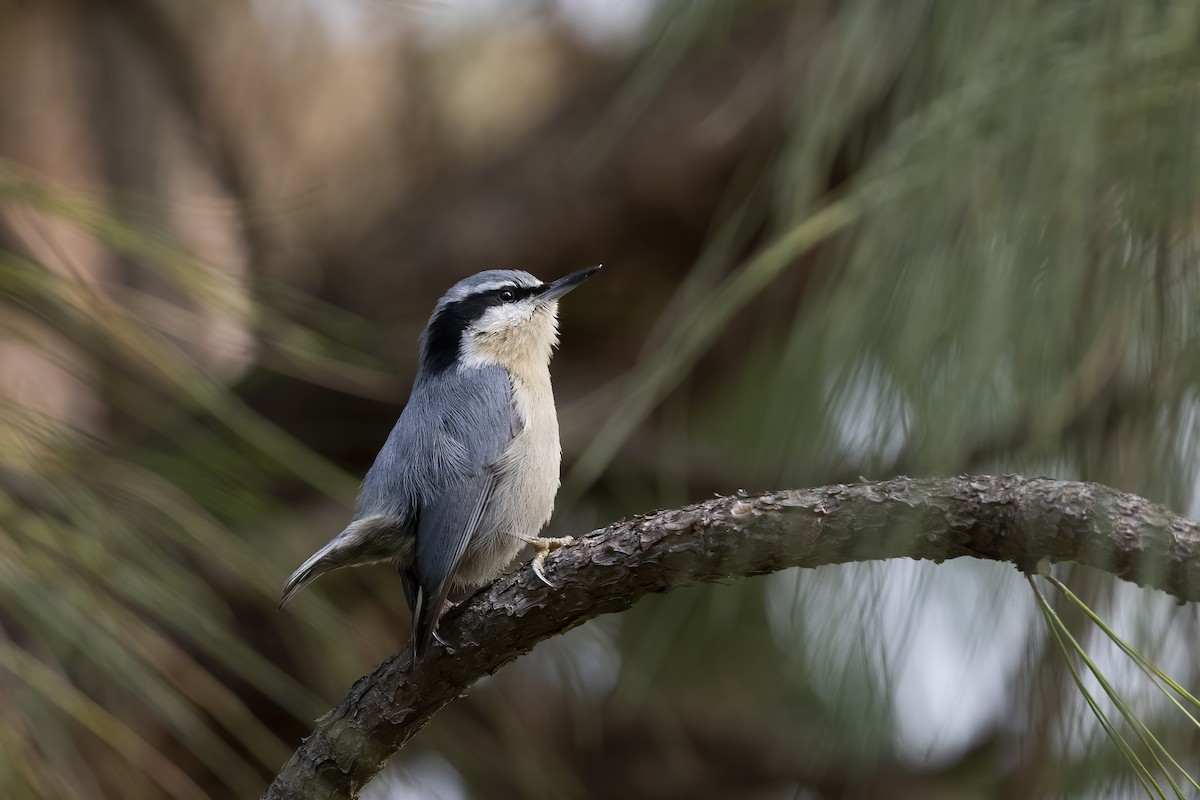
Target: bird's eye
point(507, 295)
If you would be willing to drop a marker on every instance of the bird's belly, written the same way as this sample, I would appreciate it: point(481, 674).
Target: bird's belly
point(521, 505)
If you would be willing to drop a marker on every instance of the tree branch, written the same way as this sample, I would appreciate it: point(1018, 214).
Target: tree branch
point(1022, 521)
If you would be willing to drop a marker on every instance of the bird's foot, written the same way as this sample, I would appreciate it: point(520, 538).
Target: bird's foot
point(544, 547)
point(446, 606)
point(442, 642)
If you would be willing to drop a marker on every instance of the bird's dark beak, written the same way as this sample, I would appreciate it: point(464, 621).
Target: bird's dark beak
point(558, 288)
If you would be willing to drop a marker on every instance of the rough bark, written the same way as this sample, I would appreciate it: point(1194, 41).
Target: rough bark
point(1026, 522)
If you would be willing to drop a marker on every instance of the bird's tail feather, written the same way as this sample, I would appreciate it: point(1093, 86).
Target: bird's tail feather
point(309, 571)
point(358, 544)
point(423, 623)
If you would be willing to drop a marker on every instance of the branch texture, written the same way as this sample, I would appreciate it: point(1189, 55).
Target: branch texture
point(1022, 521)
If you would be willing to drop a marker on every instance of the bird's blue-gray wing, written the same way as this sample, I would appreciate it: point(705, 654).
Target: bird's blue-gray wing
point(383, 528)
point(474, 426)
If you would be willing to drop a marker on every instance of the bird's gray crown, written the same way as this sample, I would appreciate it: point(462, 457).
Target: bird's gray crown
point(487, 281)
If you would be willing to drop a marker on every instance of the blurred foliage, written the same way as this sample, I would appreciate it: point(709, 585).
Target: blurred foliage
point(841, 238)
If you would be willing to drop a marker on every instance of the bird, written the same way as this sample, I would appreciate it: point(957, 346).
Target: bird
point(469, 473)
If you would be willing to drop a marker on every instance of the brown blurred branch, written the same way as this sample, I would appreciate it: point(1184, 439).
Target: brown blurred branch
point(1022, 521)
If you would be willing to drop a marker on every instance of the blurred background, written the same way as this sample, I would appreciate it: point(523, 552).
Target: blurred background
point(841, 238)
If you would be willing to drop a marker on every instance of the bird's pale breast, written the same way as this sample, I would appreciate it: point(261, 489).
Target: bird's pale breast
point(528, 477)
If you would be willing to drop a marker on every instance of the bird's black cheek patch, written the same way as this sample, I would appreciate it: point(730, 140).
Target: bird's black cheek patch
point(439, 349)
point(443, 337)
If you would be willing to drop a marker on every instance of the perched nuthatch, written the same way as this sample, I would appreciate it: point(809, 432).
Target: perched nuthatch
point(469, 472)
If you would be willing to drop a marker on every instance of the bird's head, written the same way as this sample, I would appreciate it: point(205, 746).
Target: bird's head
point(501, 316)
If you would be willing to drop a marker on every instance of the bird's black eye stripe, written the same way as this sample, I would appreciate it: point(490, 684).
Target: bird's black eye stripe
point(511, 294)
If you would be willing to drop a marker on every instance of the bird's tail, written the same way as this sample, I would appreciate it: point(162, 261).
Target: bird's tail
point(423, 624)
point(359, 544)
point(316, 566)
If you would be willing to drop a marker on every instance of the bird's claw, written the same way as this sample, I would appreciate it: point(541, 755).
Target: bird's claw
point(538, 560)
point(544, 547)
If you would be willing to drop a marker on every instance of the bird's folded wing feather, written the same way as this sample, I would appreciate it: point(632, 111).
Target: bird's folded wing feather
point(477, 426)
